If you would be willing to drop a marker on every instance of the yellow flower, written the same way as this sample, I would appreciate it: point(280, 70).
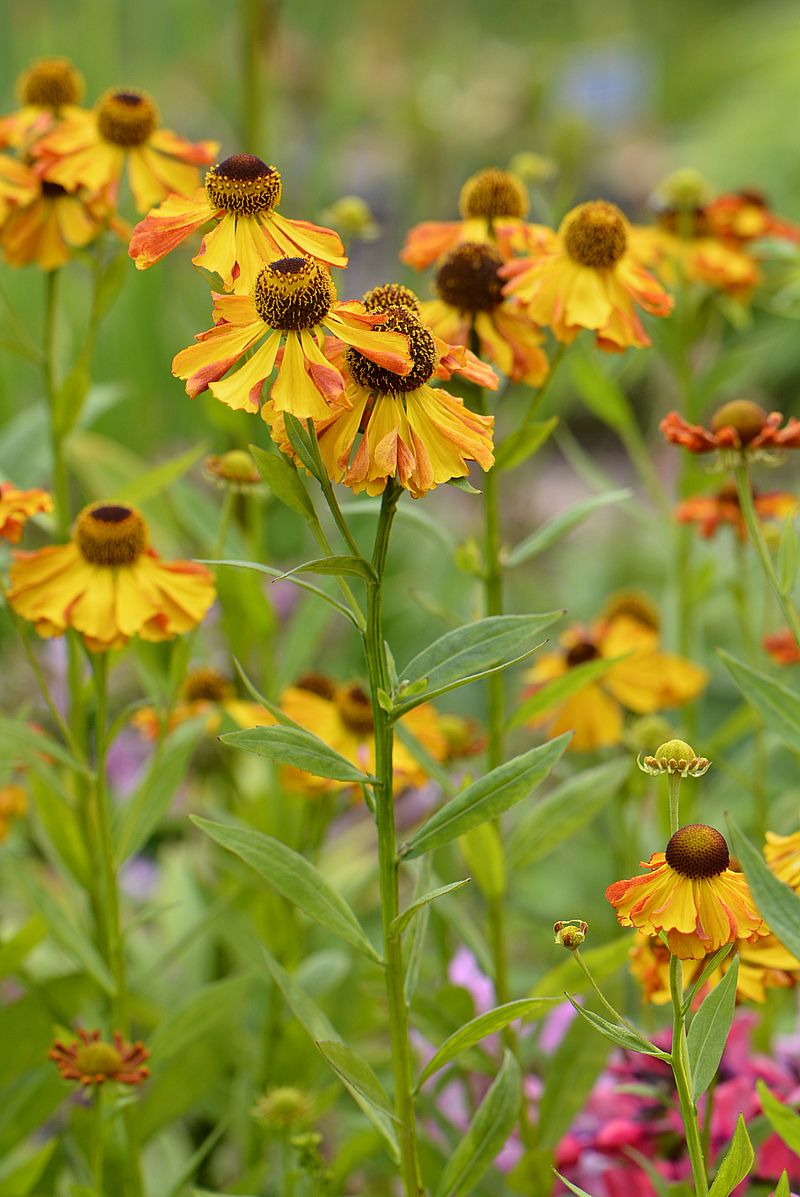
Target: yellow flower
point(691, 895)
point(91, 149)
point(589, 278)
point(782, 854)
point(91, 1061)
point(644, 681)
point(765, 964)
point(108, 584)
point(16, 508)
point(241, 196)
point(18, 185)
point(204, 692)
point(48, 90)
point(46, 228)
point(13, 804)
point(293, 303)
point(470, 297)
point(341, 715)
point(683, 245)
point(493, 204)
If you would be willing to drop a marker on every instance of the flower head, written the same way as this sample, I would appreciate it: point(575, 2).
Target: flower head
point(571, 933)
point(782, 647)
point(16, 508)
point(108, 584)
point(589, 279)
point(763, 965)
point(782, 854)
point(234, 470)
point(723, 507)
point(683, 245)
point(204, 691)
point(643, 680)
point(294, 302)
point(91, 150)
point(240, 200)
point(740, 427)
point(284, 1107)
point(675, 756)
point(691, 895)
point(744, 216)
point(92, 1061)
point(48, 90)
point(49, 225)
point(13, 804)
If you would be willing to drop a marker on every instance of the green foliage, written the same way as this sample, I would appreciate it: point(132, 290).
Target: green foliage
point(478, 1028)
point(708, 1033)
point(779, 905)
point(736, 1164)
point(296, 747)
point(487, 1133)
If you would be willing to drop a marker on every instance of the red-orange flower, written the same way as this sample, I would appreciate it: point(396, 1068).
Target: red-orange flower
point(50, 225)
point(683, 246)
point(92, 1061)
point(744, 216)
point(739, 425)
point(723, 507)
point(782, 647)
point(16, 508)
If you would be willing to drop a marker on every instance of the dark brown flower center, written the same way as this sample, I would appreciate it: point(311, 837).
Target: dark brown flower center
point(635, 605)
point(317, 683)
point(206, 685)
point(698, 852)
point(595, 234)
point(746, 417)
point(686, 222)
point(493, 192)
point(469, 279)
point(355, 709)
point(391, 295)
point(581, 652)
point(110, 534)
point(422, 349)
point(50, 83)
point(53, 190)
point(126, 118)
point(293, 294)
point(244, 184)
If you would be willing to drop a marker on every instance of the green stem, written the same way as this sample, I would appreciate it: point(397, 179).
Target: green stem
point(60, 477)
point(744, 487)
point(576, 952)
point(674, 780)
point(387, 857)
point(98, 1139)
point(683, 1079)
point(257, 23)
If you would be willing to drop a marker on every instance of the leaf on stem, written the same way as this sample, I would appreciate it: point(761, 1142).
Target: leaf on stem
point(558, 527)
point(620, 1035)
point(488, 1131)
point(778, 706)
point(357, 1074)
point(522, 444)
point(484, 1024)
point(339, 566)
point(284, 482)
point(737, 1162)
point(403, 919)
point(779, 905)
point(297, 747)
point(783, 1120)
point(561, 688)
point(278, 575)
point(301, 442)
point(708, 1033)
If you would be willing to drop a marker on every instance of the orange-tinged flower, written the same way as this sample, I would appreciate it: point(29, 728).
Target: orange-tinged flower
point(92, 1061)
point(745, 216)
point(737, 427)
point(683, 246)
point(293, 303)
point(723, 507)
point(470, 299)
point(108, 584)
point(643, 680)
point(765, 964)
point(420, 435)
point(18, 185)
point(782, 647)
point(16, 508)
point(13, 804)
point(47, 227)
point(782, 854)
point(590, 279)
point(341, 715)
point(691, 895)
point(204, 692)
point(91, 149)
point(241, 196)
point(493, 204)
point(48, 90)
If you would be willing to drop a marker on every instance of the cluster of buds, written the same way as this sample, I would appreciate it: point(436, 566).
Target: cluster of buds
point(675, 756)
point(570, 933)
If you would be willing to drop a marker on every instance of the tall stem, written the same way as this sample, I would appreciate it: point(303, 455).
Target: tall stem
point(754, 528)
point(683, 1079)
point(387, 857)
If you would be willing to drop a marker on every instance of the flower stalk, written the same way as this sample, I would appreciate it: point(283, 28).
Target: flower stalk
point(744, 487)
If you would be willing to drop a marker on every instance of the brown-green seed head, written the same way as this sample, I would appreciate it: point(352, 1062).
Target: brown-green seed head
point(110, 534)
point(244, 184)
point(595, 234)
point(206, 685)
point(317, 683)
point(98, 1059)
point(355, 709)
point(422, 349)
point(391, 295)
point(742, 414)
point(50, 83)
point(675, 750)
point(126, 118)
point(493, 192)
point(468, 278)
point(698, 852)
point(293, 294)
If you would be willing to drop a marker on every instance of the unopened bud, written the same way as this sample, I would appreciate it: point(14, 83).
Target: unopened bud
point(570, 933)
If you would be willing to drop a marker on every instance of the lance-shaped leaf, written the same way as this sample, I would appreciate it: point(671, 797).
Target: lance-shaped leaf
point(295, 878)
point(560, 525)
point(468, 653)
point(576, 1189)
point(402, 920)
point(21, 743)
point(487, 798)
point(357, 1075)
point(783, 1120)
point(484, 1024)
point(300, 440)
point(149, 802)
point(160, 478)
point(551, 693)
point(340, 567)
point(622, 1036)
point(487, 1133)
point(778, 706)
point(278, 575)
point(779, 905)
point(737, 1162)
point(298, 747)
point(284, 481)
point(708, 1033)
point(602, 962)
point(518, 446)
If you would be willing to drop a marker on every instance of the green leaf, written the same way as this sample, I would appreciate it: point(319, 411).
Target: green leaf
point(402, 921)
point(18, 1177)
point(278, 575)
point(182, 1030)
point(778, 706)
point(283, 480)
point(708, 1033)
point(17, 948)
point(602, 962)
point(601, 394)
point(482, 849)
point(298, 747)
point(318, 1027)
point(340, 567)
point(161, 477)
point(783, 1120)
point(478, 1028)
point(300, 441)
point(779, 905)
point(150, 801)
point(572, 1187)
point(295, 878)
point(19, 742)
point(463, 484)
point(554, 692)
point(560, 525)
point(66, 931)
point(786, 562)
point(487, 798)
point(782, 1187)
point(518, 446)
point(618, 1034)
point(357, 1074)
point(736, 1164)
point(468, 653)
point(487, 1133)
point(560, 814)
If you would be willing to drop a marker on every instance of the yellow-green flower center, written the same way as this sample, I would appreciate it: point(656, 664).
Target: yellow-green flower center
point(636, 605)
point(109, 534)
point(468, 278)
point(293, 294)
point(234, 469)
point(126, 118)
point(391, 295)
point(206, 685)
point(493, 192)
point(98, 1059)
point(595, 234)
point(244, 184)
point(49, 83)
point(745, 416)
point(698, 852)
point(422, 349)
point(675, 750)
point(355, 709)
